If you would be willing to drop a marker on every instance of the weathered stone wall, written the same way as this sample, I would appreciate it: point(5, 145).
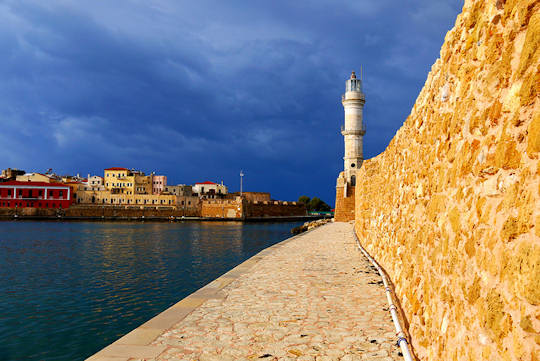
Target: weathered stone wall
point(222, 208)
point(106, 211)
point(214, 208)
point(274, 209)
point(345, 203)
point(451, 209)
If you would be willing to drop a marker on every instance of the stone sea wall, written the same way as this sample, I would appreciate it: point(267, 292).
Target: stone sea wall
point(345, 203)
point(451, 209)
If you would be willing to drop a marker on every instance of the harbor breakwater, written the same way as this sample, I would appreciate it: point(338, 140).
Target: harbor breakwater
point(222, 210)
point(310, 297)
point(451, 209)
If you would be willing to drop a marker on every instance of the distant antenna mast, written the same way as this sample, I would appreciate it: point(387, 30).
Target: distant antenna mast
point(241, 178)
point(361, 74)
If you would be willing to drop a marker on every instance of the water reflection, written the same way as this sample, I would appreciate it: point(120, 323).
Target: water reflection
point(69, 289)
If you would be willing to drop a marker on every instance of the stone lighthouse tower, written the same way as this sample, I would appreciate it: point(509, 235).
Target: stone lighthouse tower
point(353, 131)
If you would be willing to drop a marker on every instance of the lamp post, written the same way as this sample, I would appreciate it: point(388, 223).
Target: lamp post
point(241, 178)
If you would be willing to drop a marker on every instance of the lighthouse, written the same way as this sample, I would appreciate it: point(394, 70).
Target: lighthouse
point(353, 132)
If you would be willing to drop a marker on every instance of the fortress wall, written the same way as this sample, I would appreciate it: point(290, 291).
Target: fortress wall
point(220, 208)
point(344, 210)
point(274, 209)
point(451, 209)
point(95, 211)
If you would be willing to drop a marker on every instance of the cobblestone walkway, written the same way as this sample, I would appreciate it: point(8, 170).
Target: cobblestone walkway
point(314, 298)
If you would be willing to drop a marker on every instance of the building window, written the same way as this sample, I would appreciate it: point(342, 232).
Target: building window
point(61, 193)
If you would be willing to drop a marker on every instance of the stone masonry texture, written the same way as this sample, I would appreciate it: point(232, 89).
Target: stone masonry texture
point(344, 210)
point(314, 298)
point(451, 208)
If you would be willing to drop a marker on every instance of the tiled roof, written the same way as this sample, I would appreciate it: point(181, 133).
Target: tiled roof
point(116, 168)
point(207, 182)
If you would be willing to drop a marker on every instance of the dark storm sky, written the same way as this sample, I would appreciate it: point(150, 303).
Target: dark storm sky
point(198, 90)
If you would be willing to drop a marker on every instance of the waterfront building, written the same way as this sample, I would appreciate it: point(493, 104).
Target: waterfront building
point(179, 190)
point(353, 132)
point(94, 183)
point(106, 197)
point(210, 190)
point(124, 187)
point(72, 178)
point(23, 194)
point(120, 180)
point(158, 183)
point(10, 174)
point(35, 177)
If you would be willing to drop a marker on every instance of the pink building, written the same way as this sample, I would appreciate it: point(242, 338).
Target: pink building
point(158, 183)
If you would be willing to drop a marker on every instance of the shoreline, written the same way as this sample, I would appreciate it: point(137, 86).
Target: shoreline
point(137, 342)
point(157, 219)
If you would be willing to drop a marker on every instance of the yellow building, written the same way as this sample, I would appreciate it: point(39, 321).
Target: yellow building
point(35, 177)
point(124, 187)
point(106, 197)
point(119, 180)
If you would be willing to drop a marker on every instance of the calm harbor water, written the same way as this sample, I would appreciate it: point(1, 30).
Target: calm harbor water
point(68, 289)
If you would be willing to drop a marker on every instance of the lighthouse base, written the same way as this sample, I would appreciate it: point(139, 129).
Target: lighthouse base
point(344, 211)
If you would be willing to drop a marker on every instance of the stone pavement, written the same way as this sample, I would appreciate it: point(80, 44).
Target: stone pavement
point(312, 297)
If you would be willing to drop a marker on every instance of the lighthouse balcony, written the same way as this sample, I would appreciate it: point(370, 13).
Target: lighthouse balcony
point(353, 96)
point(360, 131)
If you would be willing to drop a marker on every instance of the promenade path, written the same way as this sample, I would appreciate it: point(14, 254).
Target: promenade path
point(312, 297)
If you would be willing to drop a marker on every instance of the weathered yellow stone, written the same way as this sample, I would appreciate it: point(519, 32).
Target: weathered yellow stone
point(533, 138)
point(506, 155)
point(530, 50)
point(526, 324)
point(473, 293)
point(528, 265)
point(513, 227)
point(494, 313)
point(530, 89)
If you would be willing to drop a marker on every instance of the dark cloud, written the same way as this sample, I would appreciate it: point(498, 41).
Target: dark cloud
point(200, 90)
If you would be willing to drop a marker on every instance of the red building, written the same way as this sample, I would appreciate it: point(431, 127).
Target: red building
point(35, 194)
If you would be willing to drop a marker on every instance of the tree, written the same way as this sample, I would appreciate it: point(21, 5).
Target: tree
point(316, 204)
point(304, 200)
